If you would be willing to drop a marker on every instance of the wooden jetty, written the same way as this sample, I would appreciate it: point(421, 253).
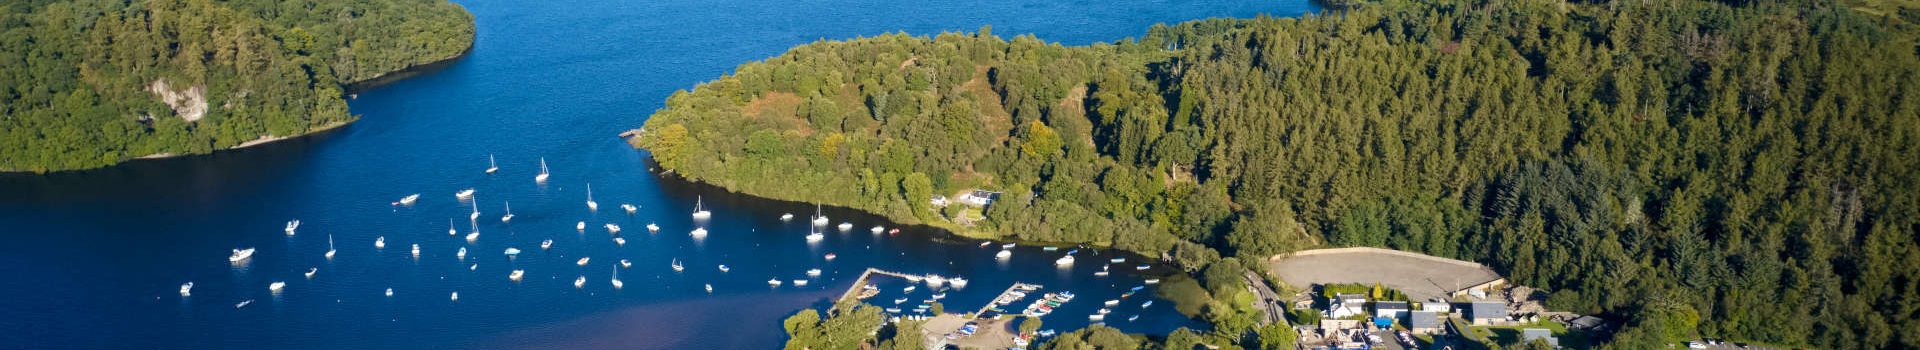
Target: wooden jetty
point(862, 281)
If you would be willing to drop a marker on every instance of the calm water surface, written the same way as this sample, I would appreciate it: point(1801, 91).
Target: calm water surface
point(94, 259)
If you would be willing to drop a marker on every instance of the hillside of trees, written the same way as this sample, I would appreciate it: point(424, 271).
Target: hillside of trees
point(1738, 170)
point(90, 83)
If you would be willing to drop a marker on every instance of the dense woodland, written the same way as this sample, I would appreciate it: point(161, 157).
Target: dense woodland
point(1739, 170)
point(78, 77)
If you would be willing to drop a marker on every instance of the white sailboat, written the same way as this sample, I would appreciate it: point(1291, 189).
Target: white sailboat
point(1003, 254)
point(652, 227)
point(464, 194)
point(620, 240)
point(877, 229)
point(698, 232)
point(591, 205)
point(699, 209)
point(291, 225)
point(625, 264)
point(814, 235)
point(616, 280)
point(276, 286)
point(330, 249)
point(800, 283)
point(786, 216)
point(380, 242)
point(724, 268)
point(476, 212)
point(450, 231)
point(544, 245)
point(240, 254)
point(957, 282)
point(312, 271)
point(511, 252)
point(581, 226)
point(580, 282)
point(408, 200)
point(416, 250)
point(389, 292)
point(1064, 261)
point(515, 276)
point(813, 273)
point(709, 288)
point(454, 297)
point(491, 166)
point(509, 217)
point(542, 178)
point(583, 261)
point(846, 226)
point(676, 265)
point(612, 229)
point(774, 282)
point(186, 289)
point(819, 219)
point(462, 254)
point(629, 208)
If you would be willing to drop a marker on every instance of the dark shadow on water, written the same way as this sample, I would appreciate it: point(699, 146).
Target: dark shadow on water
point(220, 174)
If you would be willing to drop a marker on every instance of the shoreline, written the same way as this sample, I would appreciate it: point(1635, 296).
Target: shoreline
point(347, 89)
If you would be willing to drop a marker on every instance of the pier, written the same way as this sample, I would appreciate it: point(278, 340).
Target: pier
point(862, 281)
point(1010, 289)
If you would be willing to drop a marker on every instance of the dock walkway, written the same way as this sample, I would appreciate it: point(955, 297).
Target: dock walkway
point(862, 281)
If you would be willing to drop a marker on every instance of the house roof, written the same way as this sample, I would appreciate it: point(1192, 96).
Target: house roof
point(1423, 319)
point(1349, 296)
point(1390, 305)
point(1529, 334)
point(1487, 309)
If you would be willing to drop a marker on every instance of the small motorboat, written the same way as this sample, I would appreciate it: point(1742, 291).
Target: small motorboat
point(957, 282)
point(240, 254)
point(698, 232)
point(619, 241)
point(582, 226)
point(583, 261)
point(276, 286)
point(830, 256)
point(846, 226)
point(1003, 254)
point(899, 301)
point(1097, 317)
point(292, 225)
point(1146, 304)
point(1064, 261)
point(940, 295)
point(454, 297)
point(408, 200)
point(380, 242)
point(629, 208)
point(1049, 248)
point(724, 268)
point(1101, 273)
point(311, 271)
point(709, 289)
point(474, 267)
point(580, 282)
point(515, 276)
point(186, 289)
point(908, 289)
point(877, 229)
point(546, 244)
point(1117, 260)
point(1112, 302)
point(389, 292)
point(611, 228)
point(774, 282)
point(624, 263)
point(800, 283)
point(1104, 311)
point(1134, 317)
point(473, 236)
point(1142, 267)
point(1153, 281)
point(243, 303)
point(893, 231)
point(651, 227)
point(786, 217)
point(1008, 246)
point(813, 273)
point(416, 249)
point(464, 194)
point(677, 267)
point(511, 251)
point(462, 254)
point(985, 244)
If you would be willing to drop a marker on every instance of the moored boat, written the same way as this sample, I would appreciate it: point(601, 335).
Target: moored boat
point(186, 289)
point(699, 209)
point(583, 261)
point(292, 225)
point(515, 276)
point(408, 200)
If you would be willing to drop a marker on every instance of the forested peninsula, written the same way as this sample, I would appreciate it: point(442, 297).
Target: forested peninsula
point(91, 83)
point(1726, 169)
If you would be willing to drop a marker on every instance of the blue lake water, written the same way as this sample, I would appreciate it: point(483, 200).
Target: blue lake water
point(94, 259)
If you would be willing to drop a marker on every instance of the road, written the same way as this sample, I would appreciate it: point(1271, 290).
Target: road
point(1266, 299)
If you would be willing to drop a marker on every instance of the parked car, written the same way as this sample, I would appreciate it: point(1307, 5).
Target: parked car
point(1696, 345)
